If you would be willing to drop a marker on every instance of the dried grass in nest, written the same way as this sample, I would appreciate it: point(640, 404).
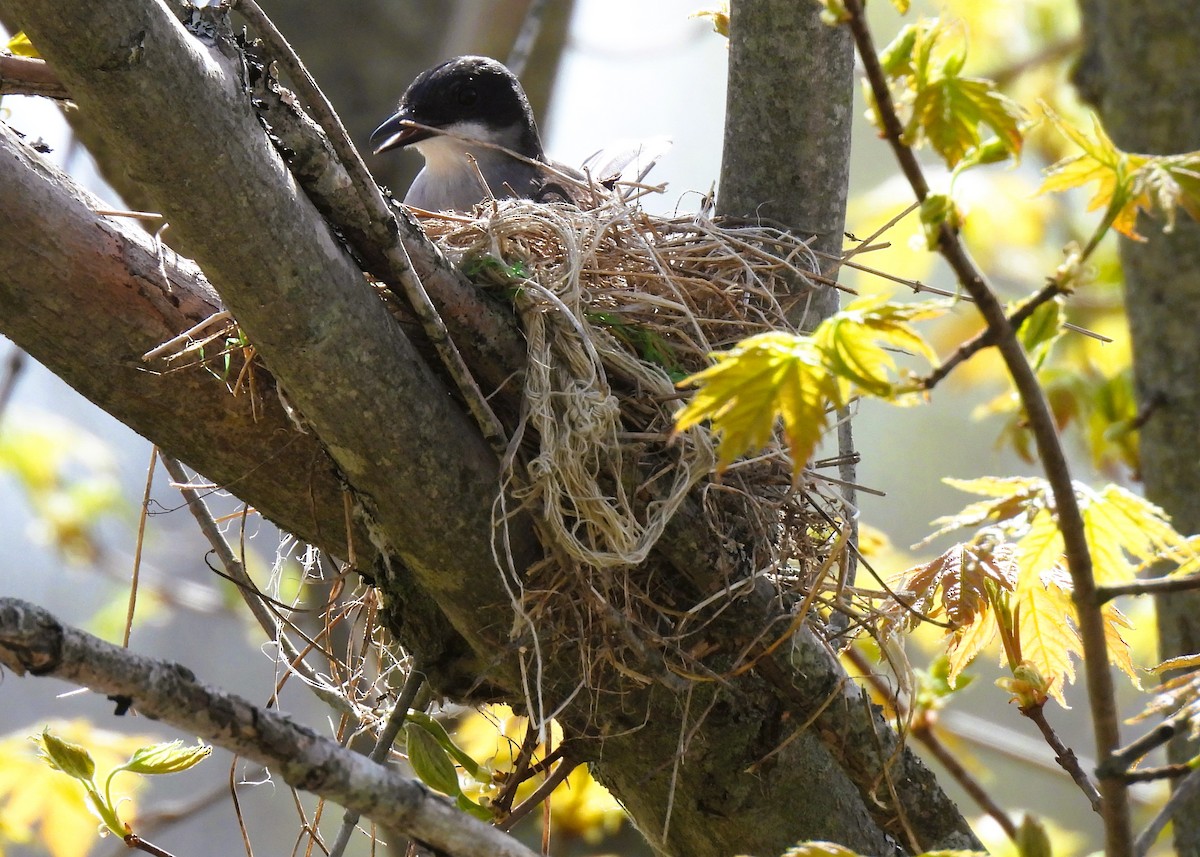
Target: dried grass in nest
point(617, 305)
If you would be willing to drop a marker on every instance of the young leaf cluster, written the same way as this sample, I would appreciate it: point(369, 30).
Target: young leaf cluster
point(798, 379)
point(966, 120)
point(1009, 579)
point(76, 762)
point(1128, 182)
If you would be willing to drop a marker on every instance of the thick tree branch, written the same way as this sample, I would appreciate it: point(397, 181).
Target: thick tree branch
point(295, 291)
point(87, 295)
point(33, 642)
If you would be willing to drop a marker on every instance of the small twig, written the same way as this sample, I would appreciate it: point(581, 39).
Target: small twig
point(1161, 772)
point(526, 38)
point(1182, 795)
point(521, 767)
point(1152, 586)
point(236, 572)
point(188, 335)
point(383, 746)
point(30, 76)
point(1118, 832)
point(1123, 759)
point(989, 337)
point(137, 550)
point(918, 287)
point(1063, 754)
point(1049, 53)
point(136, 843)
point(553, 781)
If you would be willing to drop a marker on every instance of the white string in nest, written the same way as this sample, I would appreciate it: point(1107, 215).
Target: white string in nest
point(577, 479)
point(588, 285)
point(572, 272)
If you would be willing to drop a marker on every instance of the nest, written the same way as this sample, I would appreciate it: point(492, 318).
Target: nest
point(618, 306)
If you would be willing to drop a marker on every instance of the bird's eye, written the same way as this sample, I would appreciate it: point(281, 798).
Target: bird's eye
point(467, 96)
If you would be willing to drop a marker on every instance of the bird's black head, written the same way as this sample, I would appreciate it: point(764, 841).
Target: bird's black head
point(462, 92)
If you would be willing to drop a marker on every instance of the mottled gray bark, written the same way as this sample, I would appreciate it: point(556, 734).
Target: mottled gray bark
point(786, 157)
point(1138, 69)
point(421, 471)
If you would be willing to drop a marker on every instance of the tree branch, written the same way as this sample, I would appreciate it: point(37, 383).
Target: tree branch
point(33, 642)
point(1101, 696)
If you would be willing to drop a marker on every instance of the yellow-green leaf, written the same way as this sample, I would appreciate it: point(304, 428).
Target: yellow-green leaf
point(457, 753)
point(896, 58)
point(764, 378)
point(1103, 162)
point(168, 757)
point(854, 343)
point(74, 760)
point(1183, 662)
point(1119, 524)
point(938, 210)
point(1039, 550)
point(718, 15)
point(20, 46)
point(1041, 330)
point(1032, 838)
point(952, 110)
point(1118, 649)
point(968, 641)
point(1048, 639)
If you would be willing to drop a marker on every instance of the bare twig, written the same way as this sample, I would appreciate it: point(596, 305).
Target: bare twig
point(552, 781)
point(1123, 759)
point(34, 643)
point(383, 746)
point(1181, 796)
point(989, 336)
point(30, 76)
point(1101, 697)
point(1152, 586)
point(1063, 754)
point(136, 843)
point(257, 603)
point(526, 38)
point(137, 551)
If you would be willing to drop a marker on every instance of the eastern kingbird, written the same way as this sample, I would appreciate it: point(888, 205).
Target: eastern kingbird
point(472, 98)
point(477, 99)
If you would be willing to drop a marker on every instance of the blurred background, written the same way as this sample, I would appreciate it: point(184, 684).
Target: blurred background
point(72, 478)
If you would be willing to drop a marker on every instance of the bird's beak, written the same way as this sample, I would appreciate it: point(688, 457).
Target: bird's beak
point(396, 133)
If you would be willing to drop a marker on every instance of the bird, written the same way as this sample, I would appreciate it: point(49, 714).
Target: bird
point(470, 105)
point(460, 101)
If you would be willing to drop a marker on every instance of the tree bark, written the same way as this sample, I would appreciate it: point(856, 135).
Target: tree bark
point(421, 474)
point(1136, 70)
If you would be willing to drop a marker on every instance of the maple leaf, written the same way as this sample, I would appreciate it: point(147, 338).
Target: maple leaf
point(952, 111)
point(1011, 496)
point(945, 108)
point(1119, 524)
point(765, 377)
point(1048, 638)
point(854, 341)
point(798, 379)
